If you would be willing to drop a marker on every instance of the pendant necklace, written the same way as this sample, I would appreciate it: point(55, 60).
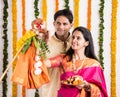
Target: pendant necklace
point(74, 66)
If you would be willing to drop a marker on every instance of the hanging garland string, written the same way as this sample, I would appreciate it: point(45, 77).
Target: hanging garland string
point(36, 10)
point(113, 47)
point(44, 10)
point(36, 14)
point(57, 5)
point(23, 17)
point(66, 4)
point(101, 32)
point(5, 52)
point(14, 30)
point(23, 32)
point(76, 13)
point(89, 15)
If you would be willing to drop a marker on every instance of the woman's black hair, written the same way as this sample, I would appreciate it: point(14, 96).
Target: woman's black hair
point(89, 50)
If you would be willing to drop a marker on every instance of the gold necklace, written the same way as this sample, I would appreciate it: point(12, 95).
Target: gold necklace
point(74, 66)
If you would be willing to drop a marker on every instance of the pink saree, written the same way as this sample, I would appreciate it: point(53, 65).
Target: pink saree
point(93, 74)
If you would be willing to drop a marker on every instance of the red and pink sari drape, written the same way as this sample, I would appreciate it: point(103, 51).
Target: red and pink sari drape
point(93, 74)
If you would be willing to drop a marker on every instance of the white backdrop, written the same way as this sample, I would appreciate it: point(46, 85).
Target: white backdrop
point(83, 22)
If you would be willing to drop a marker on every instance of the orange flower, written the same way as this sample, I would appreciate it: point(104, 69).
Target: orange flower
point(76, 13)
point(44, 10)
point(89, 15)
point(57, 4)
point(113, 47)
point(23, 17)
point(14, 30)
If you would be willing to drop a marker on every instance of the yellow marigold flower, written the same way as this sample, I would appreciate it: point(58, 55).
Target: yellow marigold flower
point(26, 36)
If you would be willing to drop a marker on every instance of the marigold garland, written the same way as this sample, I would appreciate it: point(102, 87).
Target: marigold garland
point(23, 32)
point(101, 32)
point(113, 47)
point(76, 13)
point(57, 5)
point(89, 15)
point(5, 49)
point(44, 10)
point(23, 17)
point(14, 30)
point(22, 40)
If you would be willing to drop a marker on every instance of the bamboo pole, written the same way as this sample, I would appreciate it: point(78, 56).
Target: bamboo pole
point(10, 64)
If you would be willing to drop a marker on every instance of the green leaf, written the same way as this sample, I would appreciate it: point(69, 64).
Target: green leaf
point(27, 45)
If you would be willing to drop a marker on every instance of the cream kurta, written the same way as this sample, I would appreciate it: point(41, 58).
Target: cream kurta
point(56, 47)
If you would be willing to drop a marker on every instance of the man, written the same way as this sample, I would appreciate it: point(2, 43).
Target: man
point(58, 43)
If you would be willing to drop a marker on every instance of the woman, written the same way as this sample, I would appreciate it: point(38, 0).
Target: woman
point(80, 64)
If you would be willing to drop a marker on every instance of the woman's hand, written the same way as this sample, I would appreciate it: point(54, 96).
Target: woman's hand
point(88, 87)
point(85, 85)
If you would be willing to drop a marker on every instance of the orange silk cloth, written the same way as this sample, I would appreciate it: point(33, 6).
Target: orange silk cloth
point(24, 70)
